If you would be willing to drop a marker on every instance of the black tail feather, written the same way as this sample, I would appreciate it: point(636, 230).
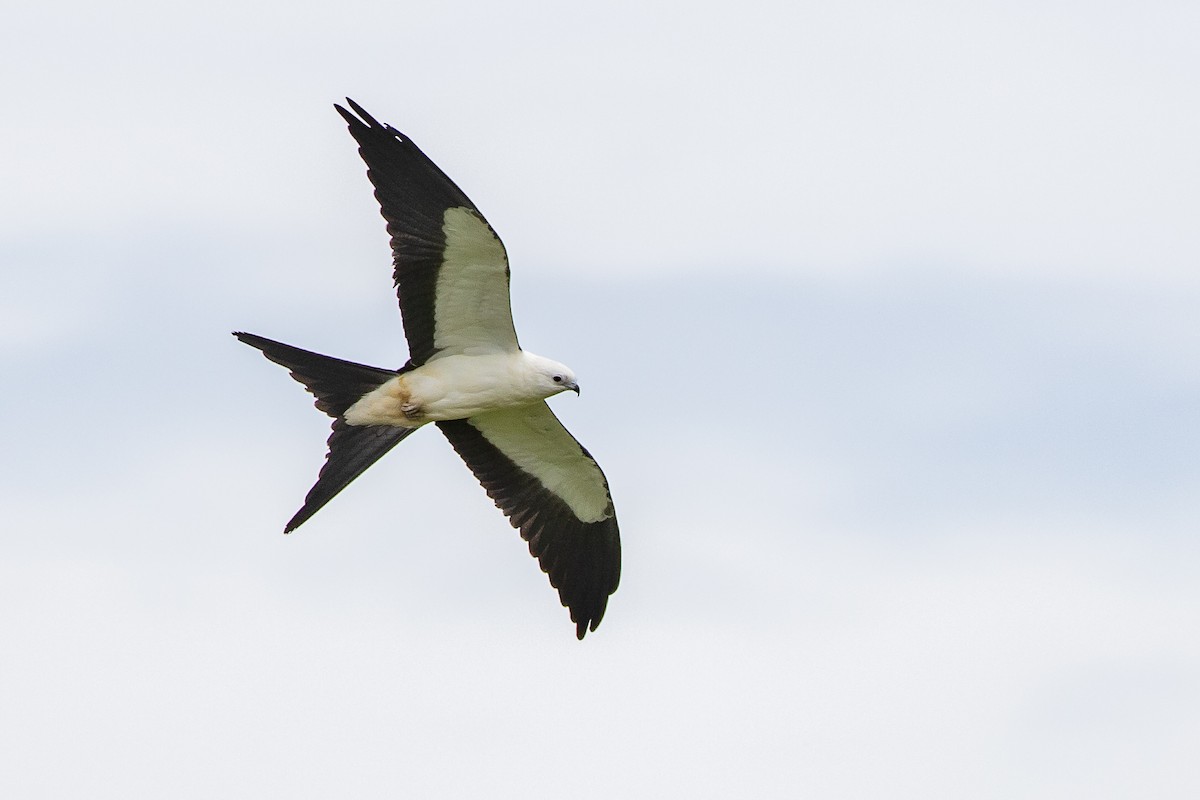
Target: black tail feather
point(337, 385)
point(352, 448)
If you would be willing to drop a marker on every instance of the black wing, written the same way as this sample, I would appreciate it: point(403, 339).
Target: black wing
point(451, 270)
point(550, 488)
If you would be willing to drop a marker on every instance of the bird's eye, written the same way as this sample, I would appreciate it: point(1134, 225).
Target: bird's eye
point(558, 378)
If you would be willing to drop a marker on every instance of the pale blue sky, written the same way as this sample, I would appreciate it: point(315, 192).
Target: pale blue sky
point(885, 318)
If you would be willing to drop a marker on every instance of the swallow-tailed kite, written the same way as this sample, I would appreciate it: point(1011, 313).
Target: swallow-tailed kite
point(467, 374)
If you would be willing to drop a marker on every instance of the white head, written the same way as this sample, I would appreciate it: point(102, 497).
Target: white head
point(551, 377)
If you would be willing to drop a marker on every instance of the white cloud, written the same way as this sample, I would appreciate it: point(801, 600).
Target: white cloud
point(1045, 140)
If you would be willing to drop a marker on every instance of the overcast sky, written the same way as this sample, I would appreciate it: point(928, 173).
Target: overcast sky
point(885, 315)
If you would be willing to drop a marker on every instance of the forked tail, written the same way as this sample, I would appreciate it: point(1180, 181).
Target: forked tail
point(336, 385)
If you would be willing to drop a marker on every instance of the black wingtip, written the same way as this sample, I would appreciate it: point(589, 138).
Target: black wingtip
point(257, 342)
point(363, 119)
point(353, 122)
point(310, 507)
point(588, 623)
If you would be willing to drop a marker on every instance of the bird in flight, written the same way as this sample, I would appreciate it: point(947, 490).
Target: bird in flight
point(466, 374)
